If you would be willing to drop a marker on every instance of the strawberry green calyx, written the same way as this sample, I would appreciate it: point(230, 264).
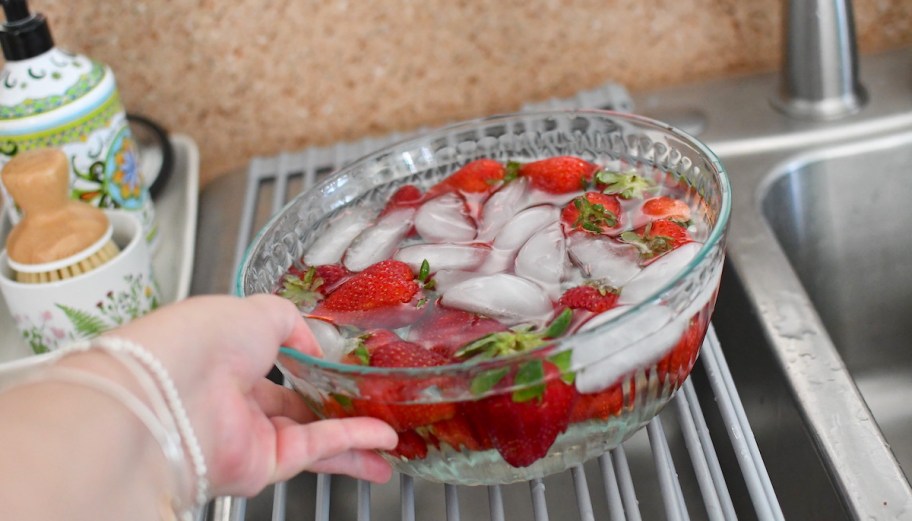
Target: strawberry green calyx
point(562, 361)
point(512, 171)
point(424, 276)
point(530, 376)
point(343, 400)
point(593, 217)
point(649, 245)
point(519, 340)
point(362, 354)
point(602, 286)
point(626, 185)
point(486, 380)
point(302, 291)
point(559, 325)
point(502, 343)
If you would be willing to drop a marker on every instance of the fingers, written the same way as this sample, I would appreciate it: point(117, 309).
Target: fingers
point(276, 400)
point(359, 464)
point(301, 447)
point(200, 333)
point(289, 326)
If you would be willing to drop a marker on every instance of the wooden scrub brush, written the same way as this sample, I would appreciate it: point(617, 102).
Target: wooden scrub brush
point(57, 238)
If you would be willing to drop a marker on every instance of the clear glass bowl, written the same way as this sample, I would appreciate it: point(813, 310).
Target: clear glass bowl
point(625, 368)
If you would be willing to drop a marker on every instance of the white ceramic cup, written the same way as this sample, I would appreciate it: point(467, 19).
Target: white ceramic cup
point(52, 314)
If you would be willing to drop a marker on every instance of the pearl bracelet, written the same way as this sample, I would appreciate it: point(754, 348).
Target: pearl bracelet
point(175, 415)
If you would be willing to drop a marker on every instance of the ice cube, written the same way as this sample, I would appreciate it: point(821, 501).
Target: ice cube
point(706, 293)
point(446, 279)
point(523, 225)
point(603, 258)
point(501, 207)
point(638, 341)
point(659, 273)
point(445, 219)
point(379, 241)
point(536, 197)
point(331, 342)
point(541, 259)
point(331, 245)
point(497, 261)
point(512, 236)
point(507, 298)
point(443, 256)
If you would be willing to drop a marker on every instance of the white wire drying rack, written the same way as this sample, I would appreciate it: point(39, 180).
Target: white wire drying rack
point(670, 470)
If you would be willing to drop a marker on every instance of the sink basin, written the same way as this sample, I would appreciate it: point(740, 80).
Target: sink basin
point(813, 318)
point(841, 216)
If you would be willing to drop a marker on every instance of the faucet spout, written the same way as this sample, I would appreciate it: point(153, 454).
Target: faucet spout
point(819, 77)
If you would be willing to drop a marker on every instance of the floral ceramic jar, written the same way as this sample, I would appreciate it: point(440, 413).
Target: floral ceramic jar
point(52, 98)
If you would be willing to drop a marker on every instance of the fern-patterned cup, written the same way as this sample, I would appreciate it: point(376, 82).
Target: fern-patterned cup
point(53, 314)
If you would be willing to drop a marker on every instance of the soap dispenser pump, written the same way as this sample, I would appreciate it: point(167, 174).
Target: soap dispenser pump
point(51, 98)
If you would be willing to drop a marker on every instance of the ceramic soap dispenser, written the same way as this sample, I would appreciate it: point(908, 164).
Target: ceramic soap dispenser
point(51, 98)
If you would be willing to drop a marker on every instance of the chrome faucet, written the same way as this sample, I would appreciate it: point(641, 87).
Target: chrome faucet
point(819, 77)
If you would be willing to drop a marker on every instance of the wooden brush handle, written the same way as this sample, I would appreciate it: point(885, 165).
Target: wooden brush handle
point(53, 227)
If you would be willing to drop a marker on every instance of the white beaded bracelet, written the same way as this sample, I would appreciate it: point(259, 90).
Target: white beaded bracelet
point(178, 414)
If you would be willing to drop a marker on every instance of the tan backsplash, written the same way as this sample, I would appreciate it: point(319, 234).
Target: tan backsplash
point(256, 77)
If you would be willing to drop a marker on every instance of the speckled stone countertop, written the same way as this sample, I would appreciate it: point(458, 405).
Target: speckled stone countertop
point(256, 77)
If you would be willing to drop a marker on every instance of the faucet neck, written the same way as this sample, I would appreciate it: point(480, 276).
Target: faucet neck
point(819, 78)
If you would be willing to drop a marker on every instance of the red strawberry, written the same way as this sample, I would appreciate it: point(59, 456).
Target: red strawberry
point(664, 207)
point(379, 296)
point(383, 396)
point(479, 176)
point(411, 446)
point(337, 406)
point(385, 283)
point(657, 237)
point(598, 406)
point(406, 196)
point(678, 363)
point(521, 409)
point(523, 423)
point(331, 274)
point(592, 296)
point(559, 175)
point(592, 212)
point(458, 433)
point(445, 330)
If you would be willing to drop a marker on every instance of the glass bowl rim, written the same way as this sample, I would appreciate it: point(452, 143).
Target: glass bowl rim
point(714, 238)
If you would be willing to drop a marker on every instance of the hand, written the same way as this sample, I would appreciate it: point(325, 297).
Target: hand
point(252, 431)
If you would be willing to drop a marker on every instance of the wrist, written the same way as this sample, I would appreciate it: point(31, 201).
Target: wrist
point(97, 457)
point(169, 423)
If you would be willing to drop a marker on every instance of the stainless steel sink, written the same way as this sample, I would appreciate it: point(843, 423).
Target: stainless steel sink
point(813, 317)
point(841, 215)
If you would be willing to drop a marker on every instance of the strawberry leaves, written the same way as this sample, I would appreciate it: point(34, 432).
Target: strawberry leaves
point(593, 217)
point(559, 325)
point(530, 380)
point(518, 340)
point(657, 238)
point(529, 377)
point(424, 276)
point(486, 381)
point(627, 185)
point(302, 290)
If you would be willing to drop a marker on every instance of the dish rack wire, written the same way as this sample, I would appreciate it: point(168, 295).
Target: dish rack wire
point(685, 460)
